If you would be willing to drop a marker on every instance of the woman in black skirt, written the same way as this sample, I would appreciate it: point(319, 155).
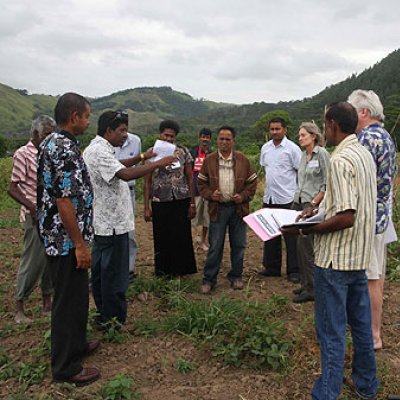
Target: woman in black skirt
point(170, 191)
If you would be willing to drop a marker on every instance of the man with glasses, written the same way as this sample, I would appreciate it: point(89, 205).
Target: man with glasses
point(113, 214)
point(33, 263)
point(132, 148)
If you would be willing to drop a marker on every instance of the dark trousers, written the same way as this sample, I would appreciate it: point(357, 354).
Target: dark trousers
point(110, 276)
point(69, 315)
point(305, 256)
point(272, 258)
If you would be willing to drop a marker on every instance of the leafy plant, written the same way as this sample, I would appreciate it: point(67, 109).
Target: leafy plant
point(31, 373)
point(7, 367)
point(242, 332)
point(184, 366)
point(113, 333)
point(120, 388)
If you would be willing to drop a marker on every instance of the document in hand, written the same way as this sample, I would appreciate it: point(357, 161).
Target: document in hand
point(266, 223)
point(311, 221)
point(163, 149)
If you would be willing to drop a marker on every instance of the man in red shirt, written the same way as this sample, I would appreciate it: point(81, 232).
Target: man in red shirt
point(199, 153)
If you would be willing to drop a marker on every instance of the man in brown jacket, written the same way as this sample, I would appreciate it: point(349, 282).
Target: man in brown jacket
point(228, 182)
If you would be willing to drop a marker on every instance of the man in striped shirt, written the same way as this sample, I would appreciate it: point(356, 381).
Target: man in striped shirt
point(33, 264)
point(343, 244)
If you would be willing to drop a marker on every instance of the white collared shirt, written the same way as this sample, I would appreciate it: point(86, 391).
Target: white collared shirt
point(132, 147)
point(112, 206)
point(281, 164)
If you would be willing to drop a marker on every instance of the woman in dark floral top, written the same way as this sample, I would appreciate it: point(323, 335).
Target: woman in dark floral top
point(170, 191)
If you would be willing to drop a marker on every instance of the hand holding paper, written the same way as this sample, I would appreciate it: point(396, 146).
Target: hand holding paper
point(163, 149)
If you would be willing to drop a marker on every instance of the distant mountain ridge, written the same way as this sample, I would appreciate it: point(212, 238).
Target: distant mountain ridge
point(149, 105)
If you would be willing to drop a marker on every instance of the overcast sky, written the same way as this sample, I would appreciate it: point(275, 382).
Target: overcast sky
point(223, 50)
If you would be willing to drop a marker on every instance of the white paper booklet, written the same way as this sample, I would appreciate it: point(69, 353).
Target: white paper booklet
point(162, 149)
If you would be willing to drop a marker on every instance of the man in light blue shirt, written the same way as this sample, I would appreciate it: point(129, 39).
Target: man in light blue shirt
point(132, 147)
point(281, 158)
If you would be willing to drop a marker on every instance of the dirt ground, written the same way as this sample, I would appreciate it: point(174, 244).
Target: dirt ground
point(151, 361)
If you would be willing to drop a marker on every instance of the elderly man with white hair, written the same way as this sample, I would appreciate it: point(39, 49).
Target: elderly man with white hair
point(377, 140)
point(33, 263)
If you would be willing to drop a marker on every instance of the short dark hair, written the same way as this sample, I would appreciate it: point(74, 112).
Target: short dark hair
point(205, 132)
point(112, 120)
point(227, 128)
point(278, 120)
point(169, 124)
point(67, 104)
point(344, 114)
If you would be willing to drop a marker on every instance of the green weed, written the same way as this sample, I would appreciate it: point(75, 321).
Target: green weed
point(113, 332)
point(31, 373)
point(184, 366)
point(121, 387)
point(241, 332)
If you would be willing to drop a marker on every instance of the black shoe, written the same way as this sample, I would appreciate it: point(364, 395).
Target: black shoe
point(294, 277)
point(303, 297)
point(266, 272)
point(297, 291)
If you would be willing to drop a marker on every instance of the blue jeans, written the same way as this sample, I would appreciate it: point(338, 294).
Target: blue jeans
point(341, 297)
point(110, 270)
point(227, 218)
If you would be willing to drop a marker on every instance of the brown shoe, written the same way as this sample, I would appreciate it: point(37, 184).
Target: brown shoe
point(237, 284)
point(85, 377)
point(205, 288)
point(91, 346)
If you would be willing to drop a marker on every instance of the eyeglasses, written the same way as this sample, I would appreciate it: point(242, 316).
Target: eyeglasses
point(122, 115)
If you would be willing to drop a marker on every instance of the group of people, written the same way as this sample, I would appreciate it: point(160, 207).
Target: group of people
point(77, 200)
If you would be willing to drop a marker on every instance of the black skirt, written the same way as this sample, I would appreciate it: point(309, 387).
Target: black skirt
point(172, 233)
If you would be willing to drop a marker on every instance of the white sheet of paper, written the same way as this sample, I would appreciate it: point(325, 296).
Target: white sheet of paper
point(315, 219)
point(162, 149)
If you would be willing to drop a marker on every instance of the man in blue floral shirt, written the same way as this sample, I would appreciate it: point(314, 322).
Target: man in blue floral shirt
point(377, 140)
point(64, 203)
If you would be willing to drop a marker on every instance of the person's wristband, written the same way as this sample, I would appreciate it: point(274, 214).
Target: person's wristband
point(142, 158)
point(313, 203)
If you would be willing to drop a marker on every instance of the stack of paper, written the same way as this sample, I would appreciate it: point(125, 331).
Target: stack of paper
point(267, 222)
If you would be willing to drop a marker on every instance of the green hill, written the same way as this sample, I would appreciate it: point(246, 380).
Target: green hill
point(147, 106)
point(17, 109)
point(383, 78)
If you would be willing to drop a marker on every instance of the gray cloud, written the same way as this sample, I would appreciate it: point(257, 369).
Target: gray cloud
point(225, 50)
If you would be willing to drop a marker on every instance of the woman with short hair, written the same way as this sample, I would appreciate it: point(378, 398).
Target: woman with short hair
point(310, 191)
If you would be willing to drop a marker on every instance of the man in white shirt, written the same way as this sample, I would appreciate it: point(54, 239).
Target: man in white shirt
point(112, 214)
point(132, 147)
point(281, 158)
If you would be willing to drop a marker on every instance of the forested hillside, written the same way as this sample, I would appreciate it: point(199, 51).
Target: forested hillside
point(148, 105)
point(383, 78)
